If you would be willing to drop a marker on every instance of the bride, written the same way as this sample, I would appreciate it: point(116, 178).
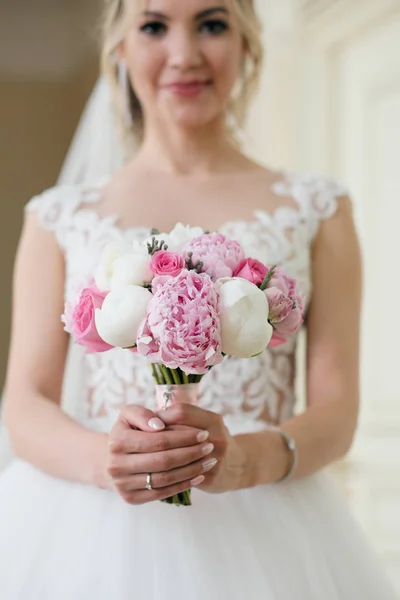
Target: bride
point(77, 520)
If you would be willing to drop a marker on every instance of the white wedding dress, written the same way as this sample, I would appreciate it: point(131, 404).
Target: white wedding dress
point(290, 541)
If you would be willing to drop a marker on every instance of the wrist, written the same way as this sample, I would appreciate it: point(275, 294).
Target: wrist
point(98, 461)
point(268, 458)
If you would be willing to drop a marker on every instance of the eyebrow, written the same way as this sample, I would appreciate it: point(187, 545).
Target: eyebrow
point(201, 15)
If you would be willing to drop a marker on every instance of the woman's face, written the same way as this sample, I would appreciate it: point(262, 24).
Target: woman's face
point(184, 57)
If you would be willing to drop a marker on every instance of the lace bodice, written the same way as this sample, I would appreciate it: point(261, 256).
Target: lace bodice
point(247, 392)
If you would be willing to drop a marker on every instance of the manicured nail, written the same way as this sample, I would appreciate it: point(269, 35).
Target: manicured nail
point(207, 449)
point(197, 481)
point(209, 464)
point(203, 436)
point(156, 424)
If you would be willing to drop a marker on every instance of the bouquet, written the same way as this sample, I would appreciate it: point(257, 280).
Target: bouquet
point(185, 301)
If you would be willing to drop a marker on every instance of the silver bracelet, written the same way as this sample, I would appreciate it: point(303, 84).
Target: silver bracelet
point(291, 446)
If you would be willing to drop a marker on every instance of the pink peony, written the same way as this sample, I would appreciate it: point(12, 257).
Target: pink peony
point(166, 263)
point(252, 270)
point(220, 256)
point(292, 323)
point(286, 304)
point(182, 327)
point(79, 319)
point(280, 281)
point(280, 305)
point(277, 340)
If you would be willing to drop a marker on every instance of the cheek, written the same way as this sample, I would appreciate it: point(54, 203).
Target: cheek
point(226, 66)
point(144, 64)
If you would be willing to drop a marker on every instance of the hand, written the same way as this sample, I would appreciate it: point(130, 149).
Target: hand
point(140, 443)
point(230, 472)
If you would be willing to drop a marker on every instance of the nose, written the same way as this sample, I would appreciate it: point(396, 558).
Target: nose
point(184, 51)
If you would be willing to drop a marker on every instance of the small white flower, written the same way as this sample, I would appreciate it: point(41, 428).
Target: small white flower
point(121, 265)
point(178, 237)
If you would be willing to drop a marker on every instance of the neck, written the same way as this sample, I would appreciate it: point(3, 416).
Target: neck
point(195, 151)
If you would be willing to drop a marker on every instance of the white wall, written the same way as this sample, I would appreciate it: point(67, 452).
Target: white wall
point(331, 103)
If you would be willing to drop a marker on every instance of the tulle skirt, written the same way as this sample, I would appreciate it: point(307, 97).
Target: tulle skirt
point(291, 541)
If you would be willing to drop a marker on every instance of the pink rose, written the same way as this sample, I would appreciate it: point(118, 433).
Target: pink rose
point(220, 256)
point(182, 326)
point(79, 319)
point(166, 263)
point(252, 270)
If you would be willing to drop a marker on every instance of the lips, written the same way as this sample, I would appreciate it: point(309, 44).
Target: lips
point(188, 88)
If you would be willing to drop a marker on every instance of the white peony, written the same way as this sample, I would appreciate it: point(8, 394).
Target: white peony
point(178, 237)
point(121, 265)
point(123, 310)
point(244, 310)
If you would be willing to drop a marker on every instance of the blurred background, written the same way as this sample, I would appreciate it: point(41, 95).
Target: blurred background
point(329, 102)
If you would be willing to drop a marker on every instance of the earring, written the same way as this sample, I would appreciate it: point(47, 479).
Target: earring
point(124, 83)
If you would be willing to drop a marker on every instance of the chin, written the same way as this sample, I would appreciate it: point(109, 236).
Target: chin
point(189, 119)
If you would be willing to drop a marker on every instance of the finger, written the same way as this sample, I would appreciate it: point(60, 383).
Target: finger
point(190, 415)
point(146, 496)
point(141, 418)
point(162, 480)
point(131, 419)
point(122, 465)
point(132, 441)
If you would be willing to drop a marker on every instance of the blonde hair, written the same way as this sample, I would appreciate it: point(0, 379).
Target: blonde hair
point(115, 25)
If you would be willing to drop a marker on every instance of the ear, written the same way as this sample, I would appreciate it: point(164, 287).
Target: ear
point(119, 52)
point(245, 48)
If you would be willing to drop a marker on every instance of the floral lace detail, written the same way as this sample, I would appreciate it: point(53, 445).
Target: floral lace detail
point(249, 393)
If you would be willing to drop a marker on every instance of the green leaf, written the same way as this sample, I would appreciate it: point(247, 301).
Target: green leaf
point(268, 278)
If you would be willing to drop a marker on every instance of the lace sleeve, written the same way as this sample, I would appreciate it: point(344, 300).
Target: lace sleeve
point(54, 208)
point(322, 197)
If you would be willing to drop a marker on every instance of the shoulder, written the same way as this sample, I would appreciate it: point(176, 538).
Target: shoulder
point(55, 207)
point(319, 197)
point(316, 191)
point(51, 204)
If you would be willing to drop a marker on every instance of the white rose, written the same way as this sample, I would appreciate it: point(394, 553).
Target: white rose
point(122, 265)
point(123, 310)
point(244, 318)
point(179, 236)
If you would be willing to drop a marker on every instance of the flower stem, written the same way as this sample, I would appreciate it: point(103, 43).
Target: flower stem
point(182, 499)
point(185, 377)
point(167, 374)
point(175, 375)
point(156, 375)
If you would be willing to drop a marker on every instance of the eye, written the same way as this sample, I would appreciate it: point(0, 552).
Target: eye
point(214, 26)
point(154, 28)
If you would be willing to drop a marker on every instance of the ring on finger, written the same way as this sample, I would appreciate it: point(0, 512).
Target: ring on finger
point(148, 482)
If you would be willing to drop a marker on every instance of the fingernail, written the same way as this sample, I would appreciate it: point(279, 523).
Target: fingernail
point(207, 449)
point(197, 481)
point(156, 424)
point(203, 436)
point(209, 464)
